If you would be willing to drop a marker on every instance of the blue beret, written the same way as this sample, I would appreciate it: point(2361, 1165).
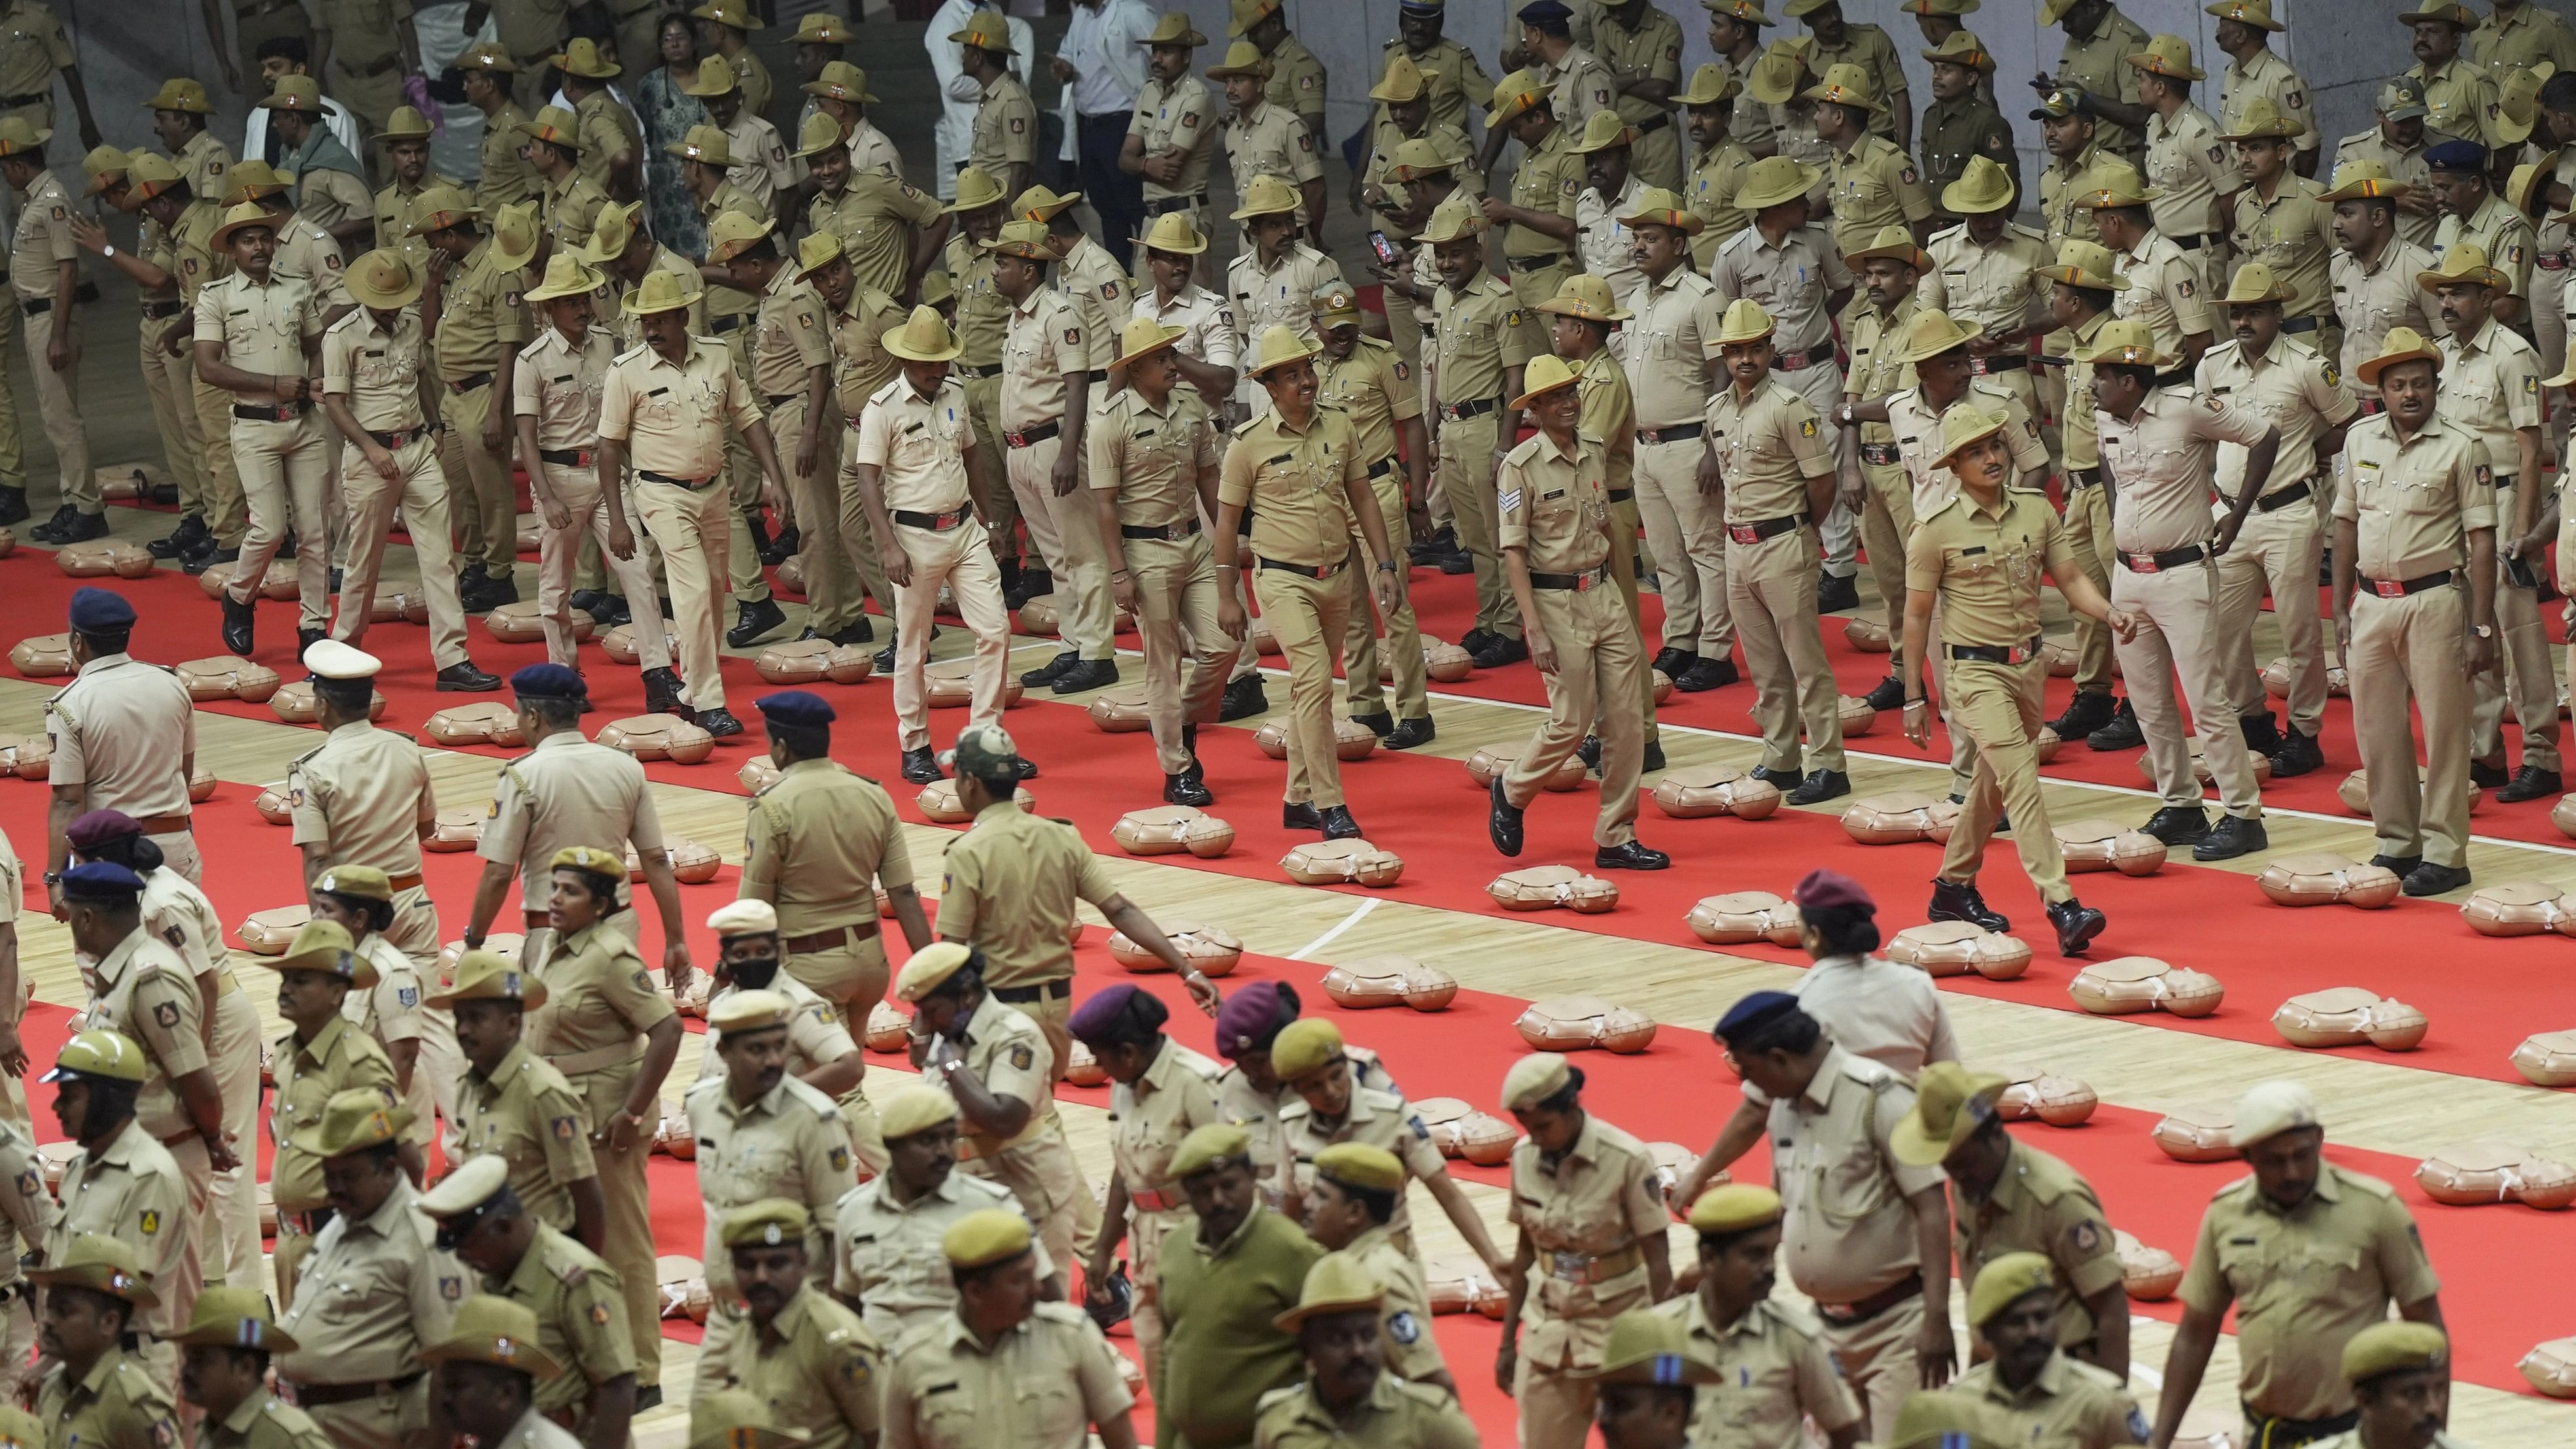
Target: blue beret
point(2457, 156)
point(1753, 1013)
point(100, 611)
point(101, 880)
point(797, 707)
point(548, 681)
point(1551, 15)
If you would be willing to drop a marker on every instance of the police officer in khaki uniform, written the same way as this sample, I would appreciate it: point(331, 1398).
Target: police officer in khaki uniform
point(123, 736)
point(840, 90)
point(2474, 212)
point(1350, 1207)
point(1295, 83)
point(153, 263)
point(790, 371)
point(1675, 312)
point(2094, 64)
point(406, 135)
point(323, 1055)
point(2083, 285)
point(975, 1376)
point(44, 264)
point(1275, 280)
point(1590, 1211)
point(1369, 381)
point(2400, 1374)
point(96, 1292)
point(857, 319)
point(420, 1040)
point(33, 50)
point(1450, 71)
point(376, 1288)
point(2415, 511)
point(1349, 1394)
point(2187, 160)
point(27, 1213)
point(2031, 1385)
point(1005, 137)
point(2165, 288)
point(1161, 1092)
point(1539, 243)
point(716, 173)
point(1641, 47)
point(1172, 136)
point(1872, 183)
point(122, 1182)
point(1484, 337)
point(886, 1231)
point(1266, 139)
point(2255, 73)
point(1327, 1099)
point(472, 305)
point(230, 1340)
point(2067, 134)
point(1404, 97)
point(1771, 1359)
point(1889, 267)
point(486, 1372)
point(821, 1052)
point(513, 1105)
point(568, 201)
point(2373, 272)
point(506, 176)
point(890, 231)
point(2283, 221)
point(1718, 157)
point(1961, 126)
point(2459, 94)
point(2008, 1197)
point(798, 1349)
point(1985, 272)
point(2294, 1209)
point(759, 168)
point(612, 144)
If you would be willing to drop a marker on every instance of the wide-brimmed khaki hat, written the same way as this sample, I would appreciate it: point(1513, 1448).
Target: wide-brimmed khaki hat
point(985, 30)
point(567, 275)
point(228, 1317)
point(924, 337)
point(660, 291)
point(731, 234)
point(1173, 232)
point(1401, 83)
point(1931, 332)
point(1242, 15)
point(818, 250)
point(1337, 1283)
point(481, 975)
point(735, 13)
point(1417, 158)
point(487, 56)
point(2464, 263)
point(611, 232)
point(841, 81)
point(254, 180)
point(2364, 180)
point(352, 1121)
point(2167, 55)
point(241, 218)
point(1963, 427)
point(1650, 1348)
point(582, 58)
point(822, 28)
point(2114, 183)
point(181, 94)
point(384, 279)
point(1336, 306)
point(1605, 131)
point(1026, 240)
point(1713, 84)
point(2257, 13)
point(1279, 347)
point(515, 235)
point(1895, 243)
point(2518, 101)
point(1773, 180)
point(976, 189)
point(1267, 196)
point(715, 78)
point(490, 1329)
point(1745, 321)
point(1742, 12)
point(18, 136)
point(1775, 73)
point(1584, 297)
point(325, 947)
point(104, 1264)
point(2402, 344)
point(1452, 220)
point(1983, 187)
point(1175, 29)
point(2127, 342)
point(936, 288)
point(1520, 91)
point(1041, 202)
point(2459, 16)
point(294, 93)
point(1547, 373)
point(2087, 264)
point(555, 126)
point(1951, 1101)
point(1962, 47)
point(819, 134)
point(2262, 121)
point(1241, 58)
point(2253, 283)
point(1143, 336)
point(2522, 189)
point(1845, 85)
point(406, 124)
point(705, 145)
point(150, 173)
point(1656, 206)
point(102, 164)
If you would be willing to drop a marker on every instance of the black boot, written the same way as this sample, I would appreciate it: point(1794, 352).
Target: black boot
point(2077, 924)
point(860, 632)
point(2233, 836)
point(1959, 901)
point(754, 620)
point(2262, 734)
point(2528, 783)
point(306, 639)
point(783, 547)
point(719, 722)
point(2088, 711)
point(1033, 582)
point(2178, 825)
point(1243, 699)
point(1187, 788)
point(2122, 733)
point(1589, 752)
point(758, 523)
point(1834, 595)
point(1706, 673)
point(2297, 756)
point(1380, 723)
point(1300, 815)
point(1502, 820)
point(1890, 694)
point(1087, 674)
point(238, 618)
point(13, 506)
point(179, 540)
point(1673, 661)
point(1054, 670)
point(1411, 732)
point(662, 694)
point(83, 528)
point(2429, 879)
point(1338, 824)
point(51, 530)
point(1500, 650)
point(921, 766)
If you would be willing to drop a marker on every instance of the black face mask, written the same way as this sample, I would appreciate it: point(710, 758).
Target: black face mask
point(753, 973)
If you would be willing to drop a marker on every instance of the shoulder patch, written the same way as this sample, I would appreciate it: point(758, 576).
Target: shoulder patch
point(149, 1222)
point(2085, 1237)
point(1021, 1057)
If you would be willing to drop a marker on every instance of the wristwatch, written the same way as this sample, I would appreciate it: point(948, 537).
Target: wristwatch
point(2482, 631)
point(1386, 566)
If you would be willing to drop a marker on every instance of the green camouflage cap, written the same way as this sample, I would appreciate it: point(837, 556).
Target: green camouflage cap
point(986, 751)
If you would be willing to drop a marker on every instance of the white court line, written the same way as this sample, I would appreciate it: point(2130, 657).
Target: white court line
point(1326, 939)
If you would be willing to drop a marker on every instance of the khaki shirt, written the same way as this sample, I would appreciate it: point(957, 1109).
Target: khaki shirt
point(1992, 286)
point(305, 250)
point(264, 1421)
point(1878, 368)
point(729, 195)
point(341, 1057)
point(1848, 1232)
point(1375, 1118)
point(2292, 232)
point(1006, 128)
point(887, 1254)
point(599, 999)
point(1957, 132)
point(1610, 414)
point(559, 385)
point(1768, 445)
point(1604, 245)
point(673, 416)
point(1281, 295)
point(581, 1318)
point(566, 791)
point(875, 216)
point(1179, 116)
point(815, 1035)
point(33, 47)
point(1008, 1052)
point(2460, 99)
point(790, 339)
point(788, 1142)
point(2040, 1205)
point(133, 1190)
point(1097, 285)
point(261, 327)
point(1450, 142)
point(2192, 167)
point(860, 363)
point(1042, 1385)
point(815, 1365)
point(1257, 1112)
point(1792, 279)
point(1986, 564)
point(379, 372)
point(144, 990)
point(507, 177)
point(126, 731)
point(1916, 428)
point(2407, 166)
point(1206, 323)
point(396, 210)
point(1395, 1415)
point(2060, 186)
point(1877, 1009)
point(571, 208)
point(373, 1292)
point(819, 842)
point(752, 74)
point(2373, 299)
point(1554, 504)
point(2099, 63)
point(2305, 1280)
point(2164, 292)
point(1870, 48)
point(1652, 51)
point(1450, 73)
point(116, 1405)
point(2521, 36)
point(2413, 502)
point(362, 794)
point(1049, 338)
point(1482, 333)
point(1874, 185)
point(605, 129)
point(2268, 77)
point(1150, 459)
point(870, 149)
point(1778, 1374)
point(920, 444)
point(1175, 1097)
point(1672, 346)
point(762, 168)
point(2161, 459)
point(1376, 389)
point(608, 312)
point(983, 313)
point(1585, 1214)
point(1584, 88)
point(530, 1117)
point(481, 315)
point(1412, 1353)
point(2068, 1405)
point(2079, 444)
point(1549, 178)
point(2289, 386)
point(206, 163)
point(2490, 385)
point(531, 29)
point(1270, 141)
point(1010, 888)
point(1296, 483)
point(43, 240)
point(1716, 175)
point(27, 1206)
point(392, 1011)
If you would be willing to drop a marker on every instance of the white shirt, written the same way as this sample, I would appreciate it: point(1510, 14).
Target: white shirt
point(335, 116)
point(1105, 45)
point(959, 97)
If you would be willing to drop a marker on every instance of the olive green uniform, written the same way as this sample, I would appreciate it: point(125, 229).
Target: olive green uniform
point(2038, 1204)
point(816, 1367)
point(1221, 1348)
point(526, 1114)
point(339, 1058)
point(1394, 1415)
point(581, 1320)
point(116, 1405)
point(1956, 132)
point(2099, 62)
point(263, 1421)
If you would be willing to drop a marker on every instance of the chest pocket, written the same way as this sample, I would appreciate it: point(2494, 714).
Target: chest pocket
point(1459, 334)
point(2475, 392)
point(387, 366)
point(1556, 507)
point(2270, 1268)
point(2406, 496)
point(924, 439)
point(951, 1420)
point(1290, 474)
point(1661, 346)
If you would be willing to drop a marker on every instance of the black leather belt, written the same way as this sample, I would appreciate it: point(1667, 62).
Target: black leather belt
point(1031, 437)
point(1801, 361)
point(1767, 528)
point(2279, 499)
point(2172, 558)
point(1655, 122)
point(2195, 243)
point(159, 310)
point(1885, 455)
point(935, 522)
point(1456, 412)
point(311, 1396)
point(1430, 329)
point(2303, 324)
point(2271, 1429)
point(2179, 377)
point(13, 102)
point(1017, 994)
point(36, 307)
point(2083, 477)
point(399, 437)
point(1160, 205)
point(729, 322)
point(989, 369)
point(1098, 374)
point(1583, 582)
point(1844, 1315)
point(1619, 495)
point(1999, 362)
point(469, 382)
point(1168, 533)
point(781, 400)
point(1678, 433)
point(1994, 653)
point(1539, 263)
point(694, 485)
point(285, 412)
point(2400, 588)
point(1382, 466)
point(568, 457)
point(1303, 571)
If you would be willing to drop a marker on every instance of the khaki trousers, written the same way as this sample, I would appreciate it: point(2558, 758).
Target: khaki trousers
point(180, 1302)
point(2527, 681)
point(1530, 288)
point(1878, 1358)
point(58, 399)
point(1176, 594)
point(962, 558)
point(1599, 663)
point(837, 534)
point(1067, 531)
point(1365, 695)
point(2275, 552)
point(749, 580)
point(399, 1420)
point(577, 490)
point(1054, 1016)
point(1623, 573)
point(227, 512)
point(1821, 384)
point(2401, 647)
point(179, 853)
point(1687, 535)
point(629, 1217)
point(487, 516)
point(852, 975)
point(232, 1241)
point(1963, 746)
point(1998, 704)
point(832, 598)
point(171, 381)
point(1556, 1405)
point(2088, 530)
point(1886, 519)
point(1771, 589)
point(371, 98)
point(690, 529)
point(2175, 611)
point(1308, 617)
point(988, 478)
point(419, 494)
point(1041, 1174)
point(283, 473)
point(13, 462)
point(1466, 450)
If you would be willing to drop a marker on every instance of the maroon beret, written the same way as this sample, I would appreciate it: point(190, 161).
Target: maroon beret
point(1823, 890)
point(1095, 1017)
point(99, 827)
point(1252, 1016)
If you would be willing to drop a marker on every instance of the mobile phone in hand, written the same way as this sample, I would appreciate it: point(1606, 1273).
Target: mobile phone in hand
point(2519, 573)
point(1387, 255)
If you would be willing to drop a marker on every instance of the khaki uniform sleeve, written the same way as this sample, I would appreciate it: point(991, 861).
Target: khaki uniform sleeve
point(1105, 1394)
point(2057, 549)
point(2209, 157)
point(31, 1209)
point(166, 1018)
point(1641, 1200)
point(160, 1225)
point(632, 997)
point(2216, 418)
point(1522, 337)
point(960, 892)
point(898, 1430)
point(1018, 131)
point(563, 1123)
point(2520, 372)
point(1802, 435)
point(1022, 1070)
point(760, 854)
point(894, 859)
point(438, 1283)
point(818, 1035)
point(1106, 441)
point(1912, 196)
point(595, 1324)
point(2191, 309)
point(337, 348)
point(740, 410)
point(2323, 385)
point(2399, 1247)
point(813, 333)
point(1821, 1390)
point(823, 1156)
point(1512, 507)
point(2021, 430)
point(2477, 488)
point(505, 828)
point(1414, 1145)
point(510, 320)
point(616, 417)
point(853, 1368)
point(2205, 1288)
point(2087, 1252)
point(1303, 161)
point(1234, 485)
point(1395, 379)
point(398, 1015)
point(2347, 507)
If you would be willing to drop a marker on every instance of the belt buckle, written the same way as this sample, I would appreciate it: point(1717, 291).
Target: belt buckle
point(1572, 1267)
point(1976, 367)
point(1743, 533)
point(1015, 439)
point(2388, 588)
point(2019, 653)
point(2142, 563)
point(1586, 581)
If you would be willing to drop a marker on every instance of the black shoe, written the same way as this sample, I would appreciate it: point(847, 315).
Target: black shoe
point(2231, 837)
point(1820, 786)
point(1654, 759)
point(1302, 815)
point(885, 658)
point(719, 722)
point(50, 531)
point(13, 505)
point(648, 1397)
point(1454, 562)
point(783, 547)
point(1634, 855)
point(1243, 698)
point(1440, 540)
point(2529, 783)
point(662, 694)
point(1956, 901)
point(2262, 733)
point(1589, 752)
point(198, 560)
point(1782, 780)
point(498, 590)
point(664, 602)
point(921, 766)
point(2178, 825)
point(1475, 639)
point(161, 495)
point(1502, 820)
point(237, 625)
point(1415, 731)
point(588, 600)
point(1500, 651)
point(1089, 674)
point(1033, 582)
point(1706, 674)
point(1380, 724)
point(179, 540)
point(483, 595)
point(333, 581)
point(2486, 776)
point(2403, 865)
point(2122, 733)
point(609, 612)
point(1890, 694)
point(2297, 755)
point(306, 639)
point(810, 632)
point(1836, 594)
point(1338, 824)
point(861, 632)
point(1186, 789)
point(754, 620)
point(472, 574)
point(1673, 661)
point(463, 678)
point(2429, 879)
point(2077, 924)
point(83, 528)
point(1054, 670)
point(2325, 567)
point(2088, 711)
